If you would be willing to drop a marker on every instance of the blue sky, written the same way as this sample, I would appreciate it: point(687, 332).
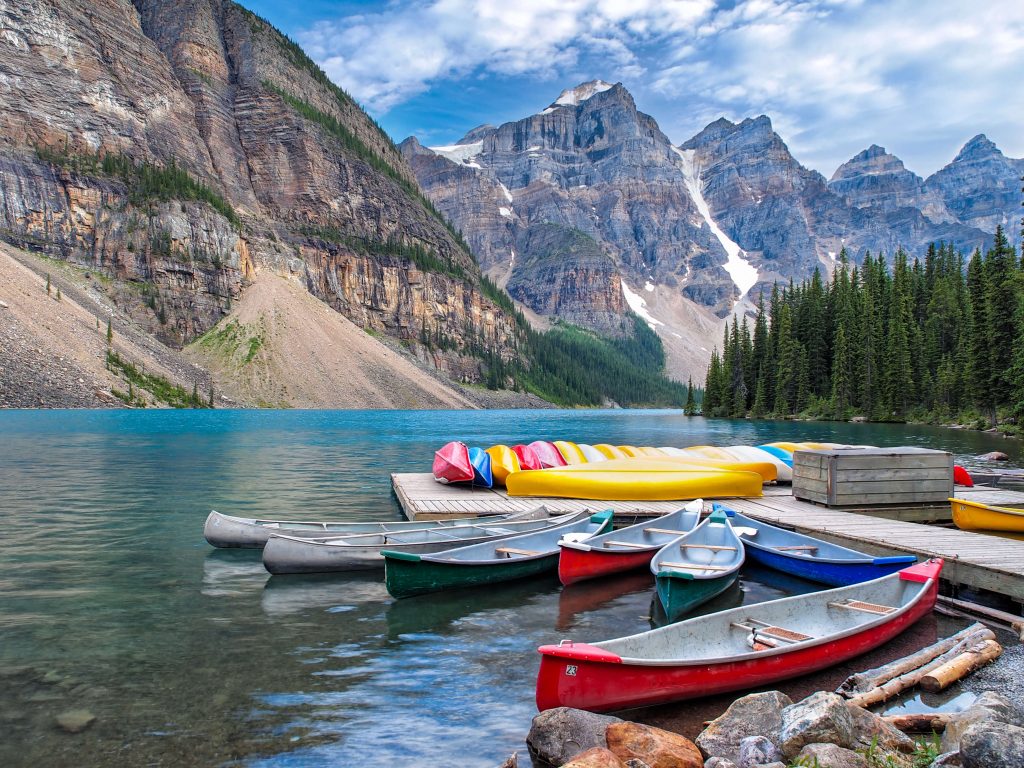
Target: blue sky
point(919, 77)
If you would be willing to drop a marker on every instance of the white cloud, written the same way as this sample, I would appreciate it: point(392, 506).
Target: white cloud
point(838, 74)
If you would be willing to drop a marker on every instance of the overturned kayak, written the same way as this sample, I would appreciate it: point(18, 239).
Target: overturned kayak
point(503, 462)
point(747, 647)
point(287, 554)
point(481, 464)
point(624, 549)
point(452, 464)
point(547, 454)
point(810, 558)
point(516, 557)
point(230, 532)
point(695, 567)
point(635, 479)
point(571, 452)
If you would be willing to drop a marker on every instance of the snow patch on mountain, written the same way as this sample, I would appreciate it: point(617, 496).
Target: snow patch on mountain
point(743, 273)
point(504, 189)
point(571, 97)
point(639, 305)
point(461, 153)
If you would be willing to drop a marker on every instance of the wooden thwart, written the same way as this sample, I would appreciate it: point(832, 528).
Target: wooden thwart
point(708, 546)
point(664, 530)
point(860, 605)
point(695, 566)
point(798, 548)
point(630, 544)
point(514, 551)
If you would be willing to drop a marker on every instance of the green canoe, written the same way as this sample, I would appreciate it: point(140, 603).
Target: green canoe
point(515, 557)
point(696, 567)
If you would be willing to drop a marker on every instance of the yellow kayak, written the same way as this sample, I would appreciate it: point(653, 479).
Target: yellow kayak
point(630, 479)
point(975, 516)
point(710, 451)
point(651, 452)
point(590, 453)
point(764, 467)
point(630, 450)
point(503, 462)
point(570, 452)
point(610, 451)
point(816, 446)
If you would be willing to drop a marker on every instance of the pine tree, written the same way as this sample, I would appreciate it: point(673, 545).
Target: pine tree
point(979, 360)
point(840, 375)
point(691, 402)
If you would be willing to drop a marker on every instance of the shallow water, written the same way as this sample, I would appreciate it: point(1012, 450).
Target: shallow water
point(111, 601)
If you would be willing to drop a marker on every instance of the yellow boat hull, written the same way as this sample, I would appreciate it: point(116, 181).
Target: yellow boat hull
point(634, 480)
point(766, 469)
point(503, 462)
point(570, 452)
point(610, 451)
point(974, 516)
point(630, 450)
point(710, 452)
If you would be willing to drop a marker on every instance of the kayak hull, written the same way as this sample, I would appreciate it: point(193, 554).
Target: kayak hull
point(974, 516)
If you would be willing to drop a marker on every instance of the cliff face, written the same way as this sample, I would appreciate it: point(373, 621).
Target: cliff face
point(301, 180)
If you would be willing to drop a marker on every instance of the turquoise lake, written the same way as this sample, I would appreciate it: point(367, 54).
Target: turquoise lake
point(111, 600)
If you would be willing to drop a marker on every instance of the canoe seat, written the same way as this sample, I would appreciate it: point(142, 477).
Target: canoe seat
point(514, 551)
point(611, 543)
point(665, 530)
point(798, 548)
point(765, 636)
point(860, 605)
point(695, 566)
point(708, 546)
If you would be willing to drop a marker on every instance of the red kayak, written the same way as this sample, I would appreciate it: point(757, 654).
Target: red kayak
point(624, 549)
point(962, 477)
point(527, 458)
point(547, 454)
point(747, 647)
point(452, 464)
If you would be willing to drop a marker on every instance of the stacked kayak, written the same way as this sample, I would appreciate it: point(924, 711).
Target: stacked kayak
point(635, 479)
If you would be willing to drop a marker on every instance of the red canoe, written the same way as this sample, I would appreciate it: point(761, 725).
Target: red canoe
point(527, 458)
point(452, 465)
point(547, 454)
point(626, 548)
point(746, 647)
point(962, 477)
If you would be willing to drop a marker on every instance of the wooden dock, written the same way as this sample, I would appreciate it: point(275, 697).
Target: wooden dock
point(976, 560)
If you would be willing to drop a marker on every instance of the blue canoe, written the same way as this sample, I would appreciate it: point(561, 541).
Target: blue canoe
point(811, 558)
point(779, 453)
point(481, 462)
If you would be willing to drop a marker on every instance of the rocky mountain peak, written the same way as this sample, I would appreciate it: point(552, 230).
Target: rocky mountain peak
point(572, 97)
point(873, 161)
point(978, 148)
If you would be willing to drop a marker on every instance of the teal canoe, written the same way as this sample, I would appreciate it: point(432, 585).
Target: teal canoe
point(515, 557)
point(696, 567)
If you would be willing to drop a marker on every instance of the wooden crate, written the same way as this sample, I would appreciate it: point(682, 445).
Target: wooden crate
point(858, 477)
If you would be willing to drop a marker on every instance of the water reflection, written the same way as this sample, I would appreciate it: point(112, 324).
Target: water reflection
point(111, 601)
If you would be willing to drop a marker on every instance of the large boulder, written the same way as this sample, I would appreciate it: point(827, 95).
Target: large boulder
point(654, 747)
point(558, 735)
point(989, 706)
point(719, 762)
point(873, 732)
point(597, 757)
point(821, 718)
point(758, 750)
point(830, 756)
point(759, 714)
point(990, 743)
point(994, 456)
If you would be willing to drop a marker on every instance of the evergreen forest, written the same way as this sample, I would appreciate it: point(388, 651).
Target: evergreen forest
point(937, 339)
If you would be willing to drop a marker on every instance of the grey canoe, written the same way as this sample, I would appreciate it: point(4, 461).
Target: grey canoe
point(227, 531)
point(289, 554)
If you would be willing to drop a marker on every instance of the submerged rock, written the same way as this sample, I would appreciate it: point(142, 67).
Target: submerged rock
point(759, 714)
point(558, 735)
point(653, 747)
point(994, 456)
point(75, 720)
point(821, 718)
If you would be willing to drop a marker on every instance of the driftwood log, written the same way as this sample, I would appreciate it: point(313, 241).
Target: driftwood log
point(920, 722)
point(972, 658)
point(961, 608)
point(877, 685)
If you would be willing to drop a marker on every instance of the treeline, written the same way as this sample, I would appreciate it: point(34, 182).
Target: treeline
point(146, 182)
point(934, 339)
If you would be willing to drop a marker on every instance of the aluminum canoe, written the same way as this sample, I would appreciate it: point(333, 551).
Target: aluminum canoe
point(361, 551)
point(747, 647)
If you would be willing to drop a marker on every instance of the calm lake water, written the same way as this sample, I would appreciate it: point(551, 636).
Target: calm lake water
point(111, 601)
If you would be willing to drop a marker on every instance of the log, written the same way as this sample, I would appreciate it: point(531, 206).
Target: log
point(975, 611)
point(862, 682)
point(973, 658)
point(923, 722)
point(909, 679)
